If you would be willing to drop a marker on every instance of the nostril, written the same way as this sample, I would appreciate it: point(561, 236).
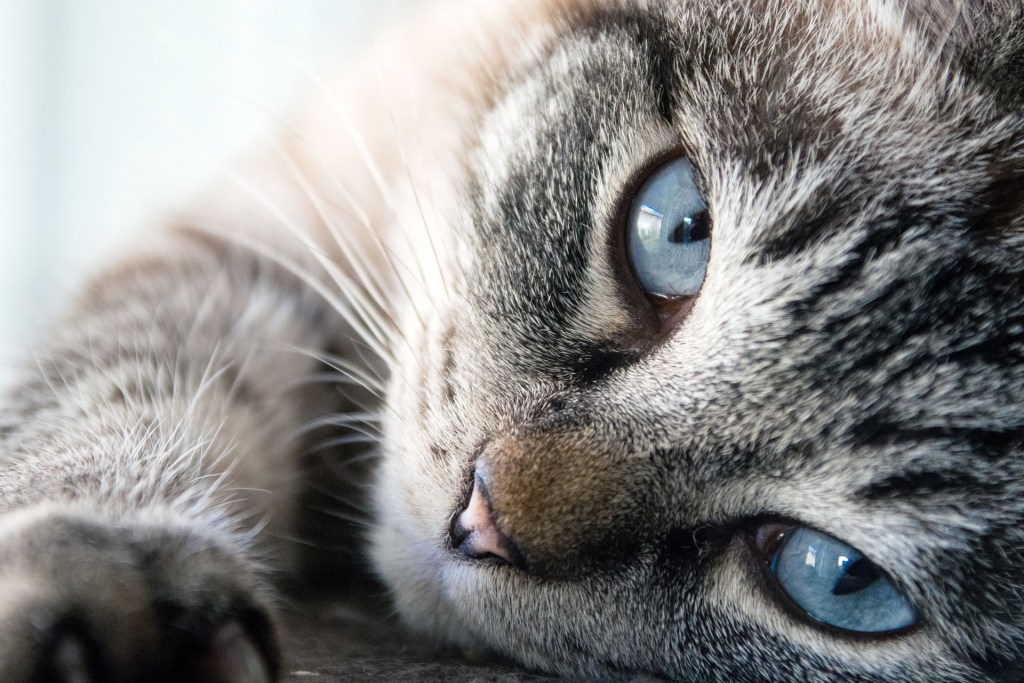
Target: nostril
point(474, 532)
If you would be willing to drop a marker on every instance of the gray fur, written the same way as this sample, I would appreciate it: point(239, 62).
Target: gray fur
point(853, 362)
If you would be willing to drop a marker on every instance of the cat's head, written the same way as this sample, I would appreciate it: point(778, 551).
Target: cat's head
point(804, 464)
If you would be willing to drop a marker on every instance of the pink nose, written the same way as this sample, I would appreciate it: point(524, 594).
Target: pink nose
point(475, 533)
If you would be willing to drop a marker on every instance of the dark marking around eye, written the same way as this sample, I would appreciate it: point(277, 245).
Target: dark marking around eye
point(593, 365)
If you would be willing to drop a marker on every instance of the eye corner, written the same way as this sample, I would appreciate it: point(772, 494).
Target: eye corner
point(767, 537)
point(671, 310)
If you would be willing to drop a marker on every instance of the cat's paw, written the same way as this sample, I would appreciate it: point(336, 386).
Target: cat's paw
point(83, 601)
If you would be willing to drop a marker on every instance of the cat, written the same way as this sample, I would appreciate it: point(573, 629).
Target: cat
point(688, 338)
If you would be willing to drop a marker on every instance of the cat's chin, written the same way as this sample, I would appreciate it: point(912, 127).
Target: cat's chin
point(427, 585)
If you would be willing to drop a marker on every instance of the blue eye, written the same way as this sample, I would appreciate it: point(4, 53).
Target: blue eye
point(669, 232)
point(836, 585)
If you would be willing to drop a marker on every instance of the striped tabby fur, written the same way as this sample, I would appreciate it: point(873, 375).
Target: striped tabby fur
point(438, 232)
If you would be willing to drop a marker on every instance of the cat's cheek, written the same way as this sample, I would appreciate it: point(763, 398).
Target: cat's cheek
point(418, 577)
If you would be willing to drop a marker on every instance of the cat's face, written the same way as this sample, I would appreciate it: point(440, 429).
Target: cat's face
point(847, 383)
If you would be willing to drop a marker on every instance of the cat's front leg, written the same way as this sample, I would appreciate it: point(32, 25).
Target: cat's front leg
point(149, 466)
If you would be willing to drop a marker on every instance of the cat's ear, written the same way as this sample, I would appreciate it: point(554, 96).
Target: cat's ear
point(985, 37)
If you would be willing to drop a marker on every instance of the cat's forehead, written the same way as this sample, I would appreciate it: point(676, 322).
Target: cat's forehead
point(762, 83)
point(803, 125)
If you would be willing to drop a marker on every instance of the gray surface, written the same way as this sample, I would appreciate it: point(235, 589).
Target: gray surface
point(356, 640)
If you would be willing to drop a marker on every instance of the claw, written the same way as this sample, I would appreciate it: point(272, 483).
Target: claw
point(69, 662)
point(232, 658)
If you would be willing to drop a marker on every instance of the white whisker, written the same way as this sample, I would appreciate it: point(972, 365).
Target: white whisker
point(366, 338)
point(375, 306)
point(373, 169)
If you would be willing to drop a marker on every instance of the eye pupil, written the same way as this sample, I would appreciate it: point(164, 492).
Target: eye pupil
point(680, 234)
point(696, 228)
point(700, 227)
point(859, 574)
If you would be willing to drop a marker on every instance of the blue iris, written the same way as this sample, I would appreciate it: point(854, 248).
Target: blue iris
point(837, 585)
point(669, 232)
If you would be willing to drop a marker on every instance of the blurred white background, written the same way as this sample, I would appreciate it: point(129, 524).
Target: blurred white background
point(114, 110)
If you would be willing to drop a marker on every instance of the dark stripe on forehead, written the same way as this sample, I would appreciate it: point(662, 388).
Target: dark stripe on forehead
point(989, 444)
point(926, 484)
point(809, 226)
point(650, 29)
point(880, 228)
point(991, 209)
